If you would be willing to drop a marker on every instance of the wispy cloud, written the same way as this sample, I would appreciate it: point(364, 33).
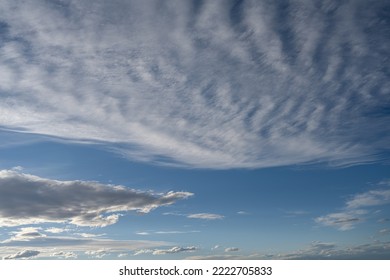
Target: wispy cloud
point(79, 203)
point(33, 240)
point(232, 249)
point(169, 232)
point(321, 250)
point(173, 250)
point(205, 216)
point(355, 210)
point(263, 86)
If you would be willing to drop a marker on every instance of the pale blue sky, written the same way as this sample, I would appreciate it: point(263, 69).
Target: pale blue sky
point(191, 129)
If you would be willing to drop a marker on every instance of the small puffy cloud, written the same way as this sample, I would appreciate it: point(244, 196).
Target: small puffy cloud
point(25, 254)
point(174, 250)
point(98, 254)
point(205, 216)
point(242, 213)
point(66, 255)
point(231, 249)
point(28, 199)
point(143, 251)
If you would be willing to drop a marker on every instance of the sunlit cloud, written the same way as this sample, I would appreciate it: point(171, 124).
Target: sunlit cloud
point(207, 89)
point(80, 203)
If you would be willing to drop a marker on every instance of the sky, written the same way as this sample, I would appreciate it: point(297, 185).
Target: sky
point(194, 129)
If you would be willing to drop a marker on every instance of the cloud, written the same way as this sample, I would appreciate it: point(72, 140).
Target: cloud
point(25, 254)
point(32, 239)
point(255, 85)
point(342, 220)
point(370, 198)
point(205, 216)
point(66, 255)
point(316, 250)
point(56, 230)
point(28, 199)
point(167, 232)
point(320, 250)
point(385, 231)
point(174, 250)
point(231, 249)
point(227, 257)
point(98, 254)
point(355, 209)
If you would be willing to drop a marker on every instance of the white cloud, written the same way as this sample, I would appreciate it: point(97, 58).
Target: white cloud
point(342, 220)
point(370, 198)
point(385, 231)
point(205, 216)
point(66, 255)
point(69, 247)
point(355, 209)
point(98, 254)
point(79, 203)
point(56, 230)
point(25, 254)
point(199, 89)
point(174, 250)
point(320, 250)
point(231, 249)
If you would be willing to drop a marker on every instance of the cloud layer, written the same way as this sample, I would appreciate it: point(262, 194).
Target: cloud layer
point(27, 199)
point(203, 84)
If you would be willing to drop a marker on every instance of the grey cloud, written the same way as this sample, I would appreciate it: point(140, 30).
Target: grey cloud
point(25, 254)
point(255, 85)
point(27, 199)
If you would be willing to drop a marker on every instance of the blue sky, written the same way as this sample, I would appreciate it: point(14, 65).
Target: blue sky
point(194, 130)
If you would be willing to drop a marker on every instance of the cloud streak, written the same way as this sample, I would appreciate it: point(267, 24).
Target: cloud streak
point(27, 199)
point(200, 85)
point(356, 209)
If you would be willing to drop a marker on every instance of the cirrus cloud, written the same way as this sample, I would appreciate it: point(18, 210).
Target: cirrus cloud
point(210, 84)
